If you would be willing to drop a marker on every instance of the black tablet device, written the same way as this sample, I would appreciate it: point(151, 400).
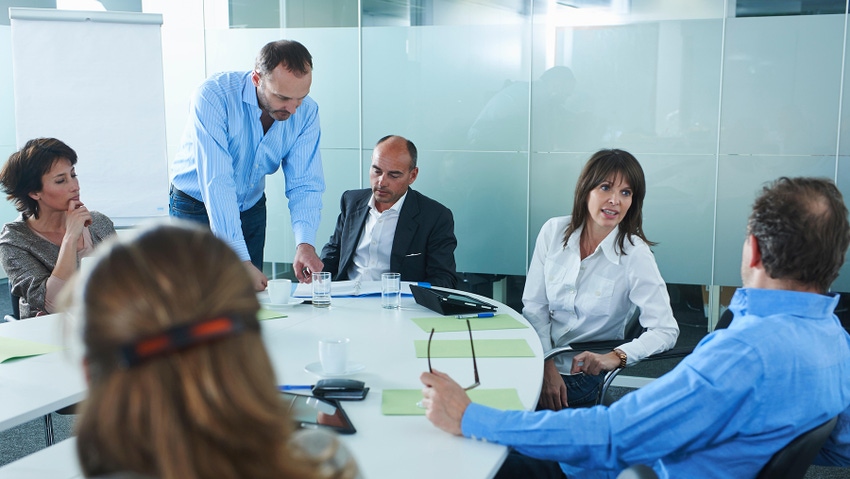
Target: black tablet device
point(449, 302)
point(313, 412)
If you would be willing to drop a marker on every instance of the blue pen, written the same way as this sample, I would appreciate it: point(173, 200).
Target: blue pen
point(293, 387)
point(479, 315)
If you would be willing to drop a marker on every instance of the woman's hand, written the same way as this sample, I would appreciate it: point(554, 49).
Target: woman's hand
point(594, 364)
point(76, 218)
point(553, 394)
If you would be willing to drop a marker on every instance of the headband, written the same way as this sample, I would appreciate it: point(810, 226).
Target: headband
point(181, 337)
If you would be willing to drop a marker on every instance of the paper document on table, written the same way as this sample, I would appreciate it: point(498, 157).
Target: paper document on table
point(350, 288)
point(484, 348)
point(11, 348)
point(402, 402)
point(445, 324)
point(264, 314)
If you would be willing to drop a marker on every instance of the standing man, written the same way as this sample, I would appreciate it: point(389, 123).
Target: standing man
point(780, 369)
point(390, 227)
point(242, 127)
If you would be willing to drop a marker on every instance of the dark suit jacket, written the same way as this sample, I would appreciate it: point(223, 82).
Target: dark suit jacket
point(423, 246)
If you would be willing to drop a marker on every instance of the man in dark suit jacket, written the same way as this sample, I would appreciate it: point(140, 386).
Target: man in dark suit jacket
point(421, 244)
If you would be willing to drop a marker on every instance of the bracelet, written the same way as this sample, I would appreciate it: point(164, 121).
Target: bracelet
point(622, 356)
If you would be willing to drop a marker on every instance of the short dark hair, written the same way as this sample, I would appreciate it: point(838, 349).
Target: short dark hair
point(411, 148)
point(22, 173)
point(289, 53)
point(802, 230)
point(600, 167)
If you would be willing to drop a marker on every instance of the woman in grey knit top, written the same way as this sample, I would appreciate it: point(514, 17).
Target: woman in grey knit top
point(42, 248)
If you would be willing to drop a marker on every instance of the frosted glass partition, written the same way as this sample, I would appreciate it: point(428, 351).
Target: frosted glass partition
point(843, 175)
point(431, 83)
point(651, 87)
point(678, 214)
point(487, 195)
point(781, 85)
point(712, 105)
point(844, 132)
point(553, 176)
point(341, 174)
point(740, 180)
point(7, 94)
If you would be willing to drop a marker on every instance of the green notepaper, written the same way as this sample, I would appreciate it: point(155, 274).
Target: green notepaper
point(402, 402)
point(264, 314)
point(19, 348)
point(484, 348)
point(446, 324)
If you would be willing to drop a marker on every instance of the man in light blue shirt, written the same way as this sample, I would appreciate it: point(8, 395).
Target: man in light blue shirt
point(745, 392)
point(242, 127)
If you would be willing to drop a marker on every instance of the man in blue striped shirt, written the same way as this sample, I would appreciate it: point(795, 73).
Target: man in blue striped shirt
point(242, 127)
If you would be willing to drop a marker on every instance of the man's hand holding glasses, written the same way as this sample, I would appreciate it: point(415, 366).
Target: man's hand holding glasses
point(445, 400)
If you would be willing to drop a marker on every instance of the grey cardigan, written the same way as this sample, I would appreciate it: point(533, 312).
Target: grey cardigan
point(29, 259)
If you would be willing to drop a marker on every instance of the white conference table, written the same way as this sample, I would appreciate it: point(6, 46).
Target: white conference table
point(33, 387)
point(382, 341)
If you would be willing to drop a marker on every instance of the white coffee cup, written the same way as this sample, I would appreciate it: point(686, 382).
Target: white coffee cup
point(279, 290)
point(333, 354)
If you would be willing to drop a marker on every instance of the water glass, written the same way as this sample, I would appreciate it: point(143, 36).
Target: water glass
point(321, 289)
point(390, 290)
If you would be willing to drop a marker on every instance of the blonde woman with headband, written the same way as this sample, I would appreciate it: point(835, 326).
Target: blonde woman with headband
point(180, 384)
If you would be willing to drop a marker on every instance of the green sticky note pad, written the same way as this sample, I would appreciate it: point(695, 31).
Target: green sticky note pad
point(11, 348)
point(402, 402)
point(446, 324)
point(264, 314)
point(484, 348)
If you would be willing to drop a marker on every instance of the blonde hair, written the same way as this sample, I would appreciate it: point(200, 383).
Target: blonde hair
point(209, 411)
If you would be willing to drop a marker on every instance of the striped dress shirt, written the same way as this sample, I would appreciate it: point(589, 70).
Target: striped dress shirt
point(224, 158)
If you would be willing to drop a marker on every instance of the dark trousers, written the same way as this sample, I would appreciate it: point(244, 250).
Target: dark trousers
point(181, 205)
point(518, 466)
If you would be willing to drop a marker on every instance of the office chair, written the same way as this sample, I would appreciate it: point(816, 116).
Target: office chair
point(16, 307)
point(633, 329)
point(638, 471)
point(793, 460)
point(790, 462)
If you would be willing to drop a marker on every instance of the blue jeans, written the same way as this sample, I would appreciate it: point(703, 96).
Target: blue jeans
point(181, 205)
point(583, 389)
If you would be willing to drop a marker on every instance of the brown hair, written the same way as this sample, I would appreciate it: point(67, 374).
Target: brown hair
point(600, 167)
point(802, 230)
point(292, 55)
point(209, 411)
point(22, 173)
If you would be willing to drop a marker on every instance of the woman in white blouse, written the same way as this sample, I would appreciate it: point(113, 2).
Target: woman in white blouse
point(588, 273)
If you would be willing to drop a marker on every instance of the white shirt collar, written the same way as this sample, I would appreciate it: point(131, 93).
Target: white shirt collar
point(608, 245)
point(396, 207)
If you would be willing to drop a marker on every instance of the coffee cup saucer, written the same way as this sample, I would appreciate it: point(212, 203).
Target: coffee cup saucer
point(350, 368)
point(266, 303)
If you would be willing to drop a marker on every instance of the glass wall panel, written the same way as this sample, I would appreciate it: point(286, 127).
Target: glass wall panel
point(844, 136)
point(280, 242)
point(431, 83)
point(647, 87)
point(740, 179)
point(553, 180)
point(678, 214)
point(781, 85)
point(842, 284)
point(487, 194)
